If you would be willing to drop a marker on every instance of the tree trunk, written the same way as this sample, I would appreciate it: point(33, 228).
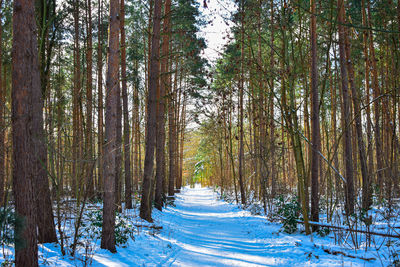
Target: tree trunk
point(89, 101)
point(241, 126)
point(274, 177)
point(26, 98)
point(2, 120)
point(145, 204)
point(172, 133)
point(315, 138)
point(346, 113)
point(366, 198)
point(118, 158)
point(164, 86)
point(75, 104)
point(127, 151)
point(366, 187)
point(110, 146)
point(181, 144)
point(377, 114)
point(100, 108)
point(136, 133)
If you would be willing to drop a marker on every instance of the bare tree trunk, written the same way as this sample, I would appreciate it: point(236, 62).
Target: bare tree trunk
point(164, 87)
point(346, 113)
point(241, 130)
point(110, 146)
point(274, 177)
point(377, 114)
point(181, 144)
point(75, 104)
point(26, 90)
point(89, 102)
point(100, 108)
point(2, 121)
point(136, 133)
point(118, 158)
point(172, 133)
point(127, 151)
point(315, 138)
point(366, 188)
point(366, 198)
point(145, 204)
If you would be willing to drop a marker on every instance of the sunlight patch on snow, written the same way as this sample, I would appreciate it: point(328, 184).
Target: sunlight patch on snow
point(231, 258)
point(100, 260)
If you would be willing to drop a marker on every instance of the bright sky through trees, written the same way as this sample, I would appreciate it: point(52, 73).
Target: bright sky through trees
point(218, 13)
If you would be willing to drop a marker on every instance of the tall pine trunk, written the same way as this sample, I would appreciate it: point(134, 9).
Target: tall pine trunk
point(151, 123)
point(100, 109)
point(26, 98)
point(315, 135)
point(127, 150)
point(164, 85)
point(2, 121)
point(89, 101)
point(346, 113)
point(172, 133)
point(241, 126)
point(110, 145)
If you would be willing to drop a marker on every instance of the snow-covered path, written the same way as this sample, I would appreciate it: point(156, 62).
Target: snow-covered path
point(214, 233)
point(204, 231)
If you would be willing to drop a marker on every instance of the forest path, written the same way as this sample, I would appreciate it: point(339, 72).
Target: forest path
point(206, 231)
point(210, 232)
point(201, 230)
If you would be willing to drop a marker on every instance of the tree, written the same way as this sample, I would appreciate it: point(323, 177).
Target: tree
point(346, 112)
point(110, 146)
point(127, 151)
point(315, 119)
point(47, 38)
point(100, 109)
point(89, 102)
point(164, 85)
point(151, 121)
point(241, 126)
point(2, 120)
point(26, 118)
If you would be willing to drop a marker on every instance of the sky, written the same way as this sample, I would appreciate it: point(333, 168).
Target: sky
point(215, 32)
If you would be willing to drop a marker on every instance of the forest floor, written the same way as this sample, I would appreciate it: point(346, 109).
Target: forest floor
point(201, 230)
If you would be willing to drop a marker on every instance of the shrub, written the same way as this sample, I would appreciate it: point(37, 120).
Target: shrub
point(8, 222)
point(289, 211)
point(123, 229)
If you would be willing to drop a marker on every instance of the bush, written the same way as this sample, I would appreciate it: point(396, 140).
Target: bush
point(123, 229)
point(289, 211)
point(8, 221)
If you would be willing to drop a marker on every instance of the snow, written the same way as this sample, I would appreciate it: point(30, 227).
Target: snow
point(201, 230)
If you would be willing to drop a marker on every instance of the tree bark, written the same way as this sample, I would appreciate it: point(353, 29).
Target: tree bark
point(377, 111)
point(89, 101)
point(145, 204)
point(366, 187)
point(25, 92)
point(346, 113)
point(241, 129)
point(75, 105)
point(315, 137)
point(172, 133)
point(366, 198)
point(127, 150)
point(164, 87)
point(100, 109)
point(136, 133)
point(118, 158)
point(2, 121)
point(110, 146)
